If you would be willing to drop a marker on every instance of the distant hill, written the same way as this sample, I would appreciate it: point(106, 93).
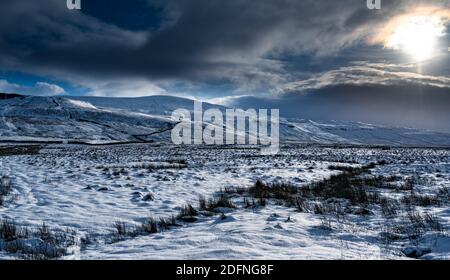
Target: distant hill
point(148, 119)
point(9, 95)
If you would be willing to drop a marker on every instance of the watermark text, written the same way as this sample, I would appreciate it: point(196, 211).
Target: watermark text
point(74, 4)
point(374, 4)
point(249, 127)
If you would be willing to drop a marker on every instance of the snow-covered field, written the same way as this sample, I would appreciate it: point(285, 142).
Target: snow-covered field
point(94, 201)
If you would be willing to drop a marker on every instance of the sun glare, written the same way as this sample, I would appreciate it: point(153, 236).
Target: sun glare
point(418, 36)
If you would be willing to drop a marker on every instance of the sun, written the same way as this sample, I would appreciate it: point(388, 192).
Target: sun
point(418, 36)
point(415, 32)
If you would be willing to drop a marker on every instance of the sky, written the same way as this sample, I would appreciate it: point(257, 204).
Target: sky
point(315, 59)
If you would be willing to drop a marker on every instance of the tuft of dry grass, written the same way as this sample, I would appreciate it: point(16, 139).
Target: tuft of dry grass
point(41, 243)
point(5, 188)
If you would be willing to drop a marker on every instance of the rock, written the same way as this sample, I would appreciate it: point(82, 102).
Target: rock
point(278, 226)
point(362, 212)
point(224, 219)
point(148, 197)
point(289, 220)
point(415, 252)
point(273, 217)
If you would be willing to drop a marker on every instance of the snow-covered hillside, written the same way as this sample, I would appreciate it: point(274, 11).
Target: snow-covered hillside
point(58, 119)
point(105, 120)
point(339, 132)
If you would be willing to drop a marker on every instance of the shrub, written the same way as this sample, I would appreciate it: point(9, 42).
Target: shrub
point(433, 222)
point(45, 234)
point(150, 226)
point(319, 209)
point(166, 223)
point(260, 190)
point(121, 228)
point(41, 243)
point(341, 186)
point(223, 201)
point(5, 188)
point(8, 230)
point(389, 207)
point(249, 203)
point(262, 202)
point(414, 199)
point(187, 211)
point(341, 168)
point(301, 205)
point(202, 203)
point(237, 190)
point(280, 191)
point(413, 226)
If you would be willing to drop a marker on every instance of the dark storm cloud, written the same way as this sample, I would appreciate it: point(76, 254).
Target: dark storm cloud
point(197, 40)
point(46, 38)
point(394, 105)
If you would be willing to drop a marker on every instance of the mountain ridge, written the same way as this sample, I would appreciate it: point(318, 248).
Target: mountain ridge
point(102, 120)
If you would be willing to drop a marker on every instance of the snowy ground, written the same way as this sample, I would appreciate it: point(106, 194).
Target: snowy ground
point(88, 189)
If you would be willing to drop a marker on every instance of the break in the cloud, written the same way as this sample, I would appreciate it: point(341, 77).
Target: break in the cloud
point(40, 88)
point(120, 88)
point(365, 73)
point(437, 18)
